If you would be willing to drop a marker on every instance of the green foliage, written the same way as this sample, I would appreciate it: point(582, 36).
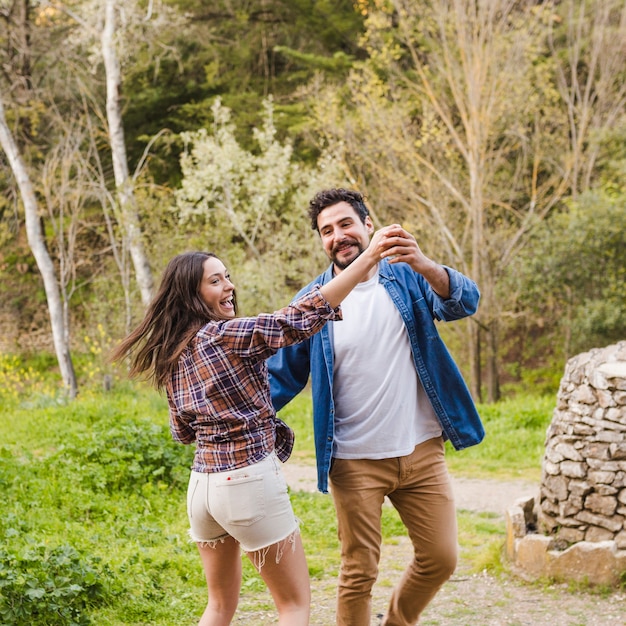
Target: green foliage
point(472, 141)
point(572, 278)
point(250, 204)
point(241, 53)
point(514, 441)
point(540, 377)
point(102, 476)
point(341, 69)
point(101, 480)
point(120, 453)
point(40, 586)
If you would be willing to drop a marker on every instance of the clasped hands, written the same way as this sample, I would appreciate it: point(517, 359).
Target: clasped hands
point(396, 244)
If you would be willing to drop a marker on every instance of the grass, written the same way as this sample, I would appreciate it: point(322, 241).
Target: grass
point(94, 521)
point(514, 442)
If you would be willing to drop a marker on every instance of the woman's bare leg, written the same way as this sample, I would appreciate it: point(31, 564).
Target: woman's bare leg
point(222, 569)
point(287, 580)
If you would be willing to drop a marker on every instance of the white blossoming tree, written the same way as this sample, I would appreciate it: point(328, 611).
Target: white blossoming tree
point(251, 205)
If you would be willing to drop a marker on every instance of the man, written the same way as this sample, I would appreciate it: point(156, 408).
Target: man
point(386, 394)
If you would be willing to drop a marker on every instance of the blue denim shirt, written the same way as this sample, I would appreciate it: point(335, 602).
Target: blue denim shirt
point(419, 306)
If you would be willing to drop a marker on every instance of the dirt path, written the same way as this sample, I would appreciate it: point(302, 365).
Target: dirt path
point(466, 599)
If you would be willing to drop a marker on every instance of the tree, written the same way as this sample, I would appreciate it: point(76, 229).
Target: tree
point(58, 110)
point(251, 205)
point(579, 259)
point(91, 19)
point(17, 75)
point(455, 124)
point(241, 52)
point(128, 210)
point(78, 44)
point(587, 45)
point(36, 241)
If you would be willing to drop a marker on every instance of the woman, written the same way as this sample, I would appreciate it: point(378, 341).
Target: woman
point(213, 368)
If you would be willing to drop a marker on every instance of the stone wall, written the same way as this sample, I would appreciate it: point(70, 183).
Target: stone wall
point(583, 484)
point(576, 528)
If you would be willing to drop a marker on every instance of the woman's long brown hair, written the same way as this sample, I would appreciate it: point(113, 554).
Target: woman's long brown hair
point(175, 315)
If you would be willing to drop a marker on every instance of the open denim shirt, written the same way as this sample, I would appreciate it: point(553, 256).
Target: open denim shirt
point(419, 306)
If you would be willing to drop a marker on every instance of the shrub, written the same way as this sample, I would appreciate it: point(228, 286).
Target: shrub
point(126, 454)
point(49, 587)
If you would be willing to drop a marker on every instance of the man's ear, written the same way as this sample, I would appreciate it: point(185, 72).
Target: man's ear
point(368, 225)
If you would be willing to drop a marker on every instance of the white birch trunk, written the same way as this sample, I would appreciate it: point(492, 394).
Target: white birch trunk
point(60, 330)
point(128, 212)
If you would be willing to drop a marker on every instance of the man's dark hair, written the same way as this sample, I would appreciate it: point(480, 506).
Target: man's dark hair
point(328, 197)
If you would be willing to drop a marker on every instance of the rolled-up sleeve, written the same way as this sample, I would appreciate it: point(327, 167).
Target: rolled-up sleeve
point(463, 299)
point(261, 336)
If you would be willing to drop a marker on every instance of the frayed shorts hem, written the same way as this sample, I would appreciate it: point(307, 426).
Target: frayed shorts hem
point(258, 556)
point(211, 543)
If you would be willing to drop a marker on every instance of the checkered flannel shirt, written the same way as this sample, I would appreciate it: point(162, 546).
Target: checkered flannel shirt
point(219, 396)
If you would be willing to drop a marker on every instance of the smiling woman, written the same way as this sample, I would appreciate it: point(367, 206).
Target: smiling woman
point(212, 365)
point(216, 289)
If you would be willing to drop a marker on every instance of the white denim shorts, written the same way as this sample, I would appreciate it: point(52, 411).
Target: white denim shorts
point(251, 504)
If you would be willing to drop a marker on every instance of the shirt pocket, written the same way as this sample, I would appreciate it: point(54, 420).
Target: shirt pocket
point(242, 500)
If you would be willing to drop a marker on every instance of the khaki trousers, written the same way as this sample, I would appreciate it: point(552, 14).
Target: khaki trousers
point(418, 486)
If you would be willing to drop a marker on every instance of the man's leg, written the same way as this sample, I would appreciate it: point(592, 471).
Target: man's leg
point(358, 488)
point(425, 502)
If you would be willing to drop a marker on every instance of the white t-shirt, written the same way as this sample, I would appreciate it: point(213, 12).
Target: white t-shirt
point(381, 408)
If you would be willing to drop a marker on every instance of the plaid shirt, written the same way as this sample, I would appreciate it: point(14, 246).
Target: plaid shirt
point(219, 395)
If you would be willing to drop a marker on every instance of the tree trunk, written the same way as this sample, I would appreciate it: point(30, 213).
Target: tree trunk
point(475, 356)
point(60, 330)
point(128, 212)
point(493, 378)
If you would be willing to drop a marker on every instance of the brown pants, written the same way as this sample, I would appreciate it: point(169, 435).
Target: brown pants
point(418, 486)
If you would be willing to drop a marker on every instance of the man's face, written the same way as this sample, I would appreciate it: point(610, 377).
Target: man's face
point(344, 235)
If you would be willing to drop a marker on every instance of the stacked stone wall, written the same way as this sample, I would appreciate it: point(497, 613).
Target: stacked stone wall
point(575, 529)
point(583, 485)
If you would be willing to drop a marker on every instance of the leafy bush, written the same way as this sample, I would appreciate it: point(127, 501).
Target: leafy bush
point(126, 454)
point(49, 587)
point(571, 280)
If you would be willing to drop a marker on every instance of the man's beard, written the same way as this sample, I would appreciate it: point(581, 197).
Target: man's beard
point(340, 264)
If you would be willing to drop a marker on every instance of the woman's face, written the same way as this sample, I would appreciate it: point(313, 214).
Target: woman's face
point(216, 289)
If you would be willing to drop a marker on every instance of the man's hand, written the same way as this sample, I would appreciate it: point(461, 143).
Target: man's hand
point(401, 247)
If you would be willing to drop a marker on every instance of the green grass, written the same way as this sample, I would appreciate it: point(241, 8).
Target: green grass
point(94, 525)
point(514, 441)
point(299, 415)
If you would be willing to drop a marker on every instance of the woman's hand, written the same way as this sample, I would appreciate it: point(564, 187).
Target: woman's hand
point(383, 240)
